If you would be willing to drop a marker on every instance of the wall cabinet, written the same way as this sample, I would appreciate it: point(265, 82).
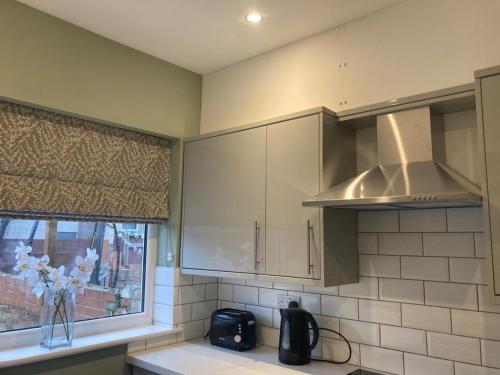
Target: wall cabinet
point(224, 203)
point(292, 233)
point(242, 202)
point(488, 116)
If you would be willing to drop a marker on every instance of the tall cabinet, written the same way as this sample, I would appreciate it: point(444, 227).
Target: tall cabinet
point(242, 202)
point(488, 116)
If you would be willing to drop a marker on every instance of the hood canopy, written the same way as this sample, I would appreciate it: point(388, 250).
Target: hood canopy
point(410, 174)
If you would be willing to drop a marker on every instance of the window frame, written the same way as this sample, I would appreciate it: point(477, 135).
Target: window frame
point(31, 336)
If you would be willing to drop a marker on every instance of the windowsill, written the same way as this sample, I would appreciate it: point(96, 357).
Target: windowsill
point(29, 354)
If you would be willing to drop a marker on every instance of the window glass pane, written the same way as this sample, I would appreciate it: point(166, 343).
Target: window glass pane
point(116, 286)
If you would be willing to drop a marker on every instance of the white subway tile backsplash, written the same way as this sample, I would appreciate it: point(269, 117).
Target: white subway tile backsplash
point(164, 276)
point(211, 291)
point(336, 350)
point(479, 245)
point(269, 297)
point(231, 305)
point(203, 310)
point(403, 339)
point(268, 336)
point(166, 294)
point(449, 244)
point(424, 268)
point(378, 221)
point(259, 283)
point(341, 307)
point(163, 313)
point(246, 294)
point(263, 315)
point(309, 302)
point(468, 270)
point(225, 292)
point(191, 330)
point(476, 324)
point(452, 347)
point(460, 296)
point(367, 243)
point(379, 266)
point(204, 279)
point(236, 281)
point(360, 332)
point(433, 220)
point(465, 219)
point(486, 302)
point(287, 286)
point(367, 287)
point(400, 243)
point(426, 317)
point(331, 290)
point(330, 323)
point(191, 293)
point(421, 365)
point(380, 312)
point(409, 291)
point(466, 369)
point(382, 359)
point(180, 279)
point(490, 353)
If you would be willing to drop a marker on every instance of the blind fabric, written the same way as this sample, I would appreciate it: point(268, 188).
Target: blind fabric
point(55, 166)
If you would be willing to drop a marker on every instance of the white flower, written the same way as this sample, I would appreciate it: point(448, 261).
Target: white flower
point(84, 266)
point(56, 276)
point(92, 256)
point(39, 288)
point(21, 250)
point(41, 264)
point(25, 265)
point(77, 284)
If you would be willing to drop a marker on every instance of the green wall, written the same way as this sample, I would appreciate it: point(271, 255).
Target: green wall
point(109, 361)
point(51, 63)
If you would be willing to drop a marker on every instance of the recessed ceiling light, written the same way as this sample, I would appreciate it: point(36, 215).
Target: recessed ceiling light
point(253, 17)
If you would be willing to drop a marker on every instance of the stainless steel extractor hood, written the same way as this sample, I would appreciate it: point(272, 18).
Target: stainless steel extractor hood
point(410, 174)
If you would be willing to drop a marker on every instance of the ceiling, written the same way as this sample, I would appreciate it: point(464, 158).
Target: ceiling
point(206, 35)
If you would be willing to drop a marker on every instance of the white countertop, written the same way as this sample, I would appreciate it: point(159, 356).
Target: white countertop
point(199, 357)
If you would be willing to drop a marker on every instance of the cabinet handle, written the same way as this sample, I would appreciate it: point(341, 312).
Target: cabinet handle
point(309, 230)
point(256, 239)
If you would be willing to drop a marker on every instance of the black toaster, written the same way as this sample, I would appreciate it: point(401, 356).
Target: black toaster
point(233, 329)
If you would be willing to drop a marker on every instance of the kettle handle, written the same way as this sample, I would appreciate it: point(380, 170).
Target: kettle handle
point(315, 330)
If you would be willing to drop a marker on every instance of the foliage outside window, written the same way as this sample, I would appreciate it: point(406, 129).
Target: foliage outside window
point(116, 286)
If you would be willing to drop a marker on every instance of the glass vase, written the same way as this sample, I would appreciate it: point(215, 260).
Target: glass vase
point(57, 318)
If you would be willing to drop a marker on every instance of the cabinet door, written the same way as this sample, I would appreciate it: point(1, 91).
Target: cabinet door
point(293, 231)
point(224, 202)
point(490, 97)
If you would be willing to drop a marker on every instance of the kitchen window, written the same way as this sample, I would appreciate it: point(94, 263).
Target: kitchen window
point(116, 287)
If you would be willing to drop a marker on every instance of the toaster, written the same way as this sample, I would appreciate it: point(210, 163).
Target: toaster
point(233, 329)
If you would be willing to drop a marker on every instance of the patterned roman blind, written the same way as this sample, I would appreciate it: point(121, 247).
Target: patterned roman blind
point(55, 166)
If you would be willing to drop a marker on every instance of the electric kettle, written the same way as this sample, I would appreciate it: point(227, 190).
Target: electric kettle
point(295, 344)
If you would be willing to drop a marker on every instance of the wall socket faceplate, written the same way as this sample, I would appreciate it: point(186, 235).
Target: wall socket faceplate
point(285, 299)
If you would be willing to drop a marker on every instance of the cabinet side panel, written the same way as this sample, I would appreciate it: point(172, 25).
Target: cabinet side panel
point(489, 136)
point(340, 246)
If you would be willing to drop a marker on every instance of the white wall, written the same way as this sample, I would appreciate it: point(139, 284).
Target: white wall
point(414, 47)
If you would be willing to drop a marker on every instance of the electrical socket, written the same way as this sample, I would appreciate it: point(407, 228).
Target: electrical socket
point(285, 299)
